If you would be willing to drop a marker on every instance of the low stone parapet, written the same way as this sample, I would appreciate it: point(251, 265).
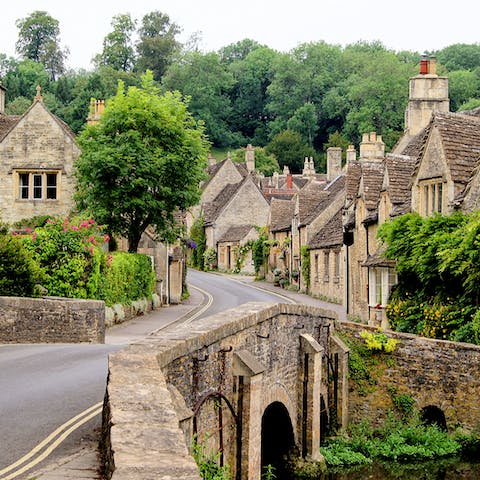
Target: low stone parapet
point(51, 320)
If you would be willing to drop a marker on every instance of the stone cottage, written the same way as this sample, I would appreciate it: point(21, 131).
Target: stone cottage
point(37, 154)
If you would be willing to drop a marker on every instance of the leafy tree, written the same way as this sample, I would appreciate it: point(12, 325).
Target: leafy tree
point(252, 76)
point(238, 51)
point(141, 163)
point(118, 51)
point(460, 56)
point(157, 45)
point(22, 79)
point(197, 235)
point(18, 106)
point(304, 121)
point(207, 82)
point(290, 149)
point(38, 40)
point(462, 85)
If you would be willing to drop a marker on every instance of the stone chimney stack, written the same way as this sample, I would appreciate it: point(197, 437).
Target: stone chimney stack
point(286, 170)
point(250, 158)
point(351, 154)
point(308, 167)
point(96, 111)
point(211, 159)
point(334, 163)
point(2, 99)
point(372, 147)
point(428, 94)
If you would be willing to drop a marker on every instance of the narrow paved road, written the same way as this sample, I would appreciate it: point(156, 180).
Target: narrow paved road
point(44, 386)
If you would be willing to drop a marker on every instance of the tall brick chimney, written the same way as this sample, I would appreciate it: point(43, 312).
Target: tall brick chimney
point(2, 99)
point(250, 158)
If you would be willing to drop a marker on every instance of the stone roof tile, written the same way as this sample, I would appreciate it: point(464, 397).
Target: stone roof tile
point(236, 233)
point(281, 214)
point(331, 235)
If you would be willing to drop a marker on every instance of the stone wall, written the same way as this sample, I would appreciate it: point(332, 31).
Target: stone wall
point(51, 320)
point(188, 380)
point(433, 372)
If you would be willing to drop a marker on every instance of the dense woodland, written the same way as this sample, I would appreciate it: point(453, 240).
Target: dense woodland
point(295, 104)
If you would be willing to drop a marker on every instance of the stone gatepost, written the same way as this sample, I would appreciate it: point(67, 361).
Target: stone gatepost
point(309, 407)
point(249, 410)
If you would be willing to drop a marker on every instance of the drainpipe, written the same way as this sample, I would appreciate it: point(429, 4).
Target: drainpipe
point(167, 275)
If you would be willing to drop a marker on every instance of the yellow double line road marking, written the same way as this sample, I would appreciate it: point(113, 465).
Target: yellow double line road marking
point(203, 309)
point(46, 447)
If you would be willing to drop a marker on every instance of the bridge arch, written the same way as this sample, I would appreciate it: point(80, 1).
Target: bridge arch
point(277, 438)
point(433, 415)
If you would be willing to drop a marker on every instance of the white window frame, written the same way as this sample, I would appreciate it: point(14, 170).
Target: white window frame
point(380, 283)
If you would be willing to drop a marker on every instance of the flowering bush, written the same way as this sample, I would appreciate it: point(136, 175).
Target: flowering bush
point(378, 341)
point(69, 255)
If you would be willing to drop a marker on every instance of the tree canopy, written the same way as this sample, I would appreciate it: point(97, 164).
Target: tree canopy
point(38, 40)
point(245, 92)
point(141, 163)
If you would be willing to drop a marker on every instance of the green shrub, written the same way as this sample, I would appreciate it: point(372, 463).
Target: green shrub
point(394, 440)
point(18, 272)
point(209, 463)
point(198, 244)
point(127, 277)
point(69, 255)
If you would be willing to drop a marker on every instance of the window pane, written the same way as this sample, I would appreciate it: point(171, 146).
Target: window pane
point(440, 192)
point(51, 185)
point(37, 186)
point(24, 177)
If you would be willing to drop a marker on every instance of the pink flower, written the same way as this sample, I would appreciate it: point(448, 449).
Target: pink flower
point(28, 230)
point(74, 227)
point(34, 237)
point(106, 238)
point(91, 221)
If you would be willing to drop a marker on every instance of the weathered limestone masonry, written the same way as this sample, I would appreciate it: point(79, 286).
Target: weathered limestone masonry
point(217, 376)
point(51, 320)
point(434, 373)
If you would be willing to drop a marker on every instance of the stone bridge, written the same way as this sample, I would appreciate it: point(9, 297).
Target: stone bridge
point(255, 382)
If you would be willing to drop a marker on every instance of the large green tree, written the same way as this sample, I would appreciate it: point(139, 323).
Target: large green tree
point(158, 44)
point(141, 163)
point(207, 82)
point(118, 51)
point(39, 40)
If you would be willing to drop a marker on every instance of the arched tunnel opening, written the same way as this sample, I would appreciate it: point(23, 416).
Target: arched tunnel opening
point(277, 439)
point(432, 415)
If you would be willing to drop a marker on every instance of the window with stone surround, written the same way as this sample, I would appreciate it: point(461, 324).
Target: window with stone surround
point(35, 185)
point(431, 196)
point(336, 272)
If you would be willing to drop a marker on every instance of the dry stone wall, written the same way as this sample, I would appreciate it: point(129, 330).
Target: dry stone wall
point(51, 320)
point(432, 372)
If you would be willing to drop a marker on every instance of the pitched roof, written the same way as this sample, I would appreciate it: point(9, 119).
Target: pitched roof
point(309, 199)
point(354, 174)
point(399, 169)
point(211, 210)
point(7, 122)
point(236, 233)
point(331, 235)
point(213, 169)
point(281, 214)
point(461, 143)
point(372, 179)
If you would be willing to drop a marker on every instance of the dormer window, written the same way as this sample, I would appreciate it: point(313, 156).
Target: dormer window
point(431, 196)
point(38, 185)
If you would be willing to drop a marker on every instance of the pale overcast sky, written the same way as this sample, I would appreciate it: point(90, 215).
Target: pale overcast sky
point(415, 25)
